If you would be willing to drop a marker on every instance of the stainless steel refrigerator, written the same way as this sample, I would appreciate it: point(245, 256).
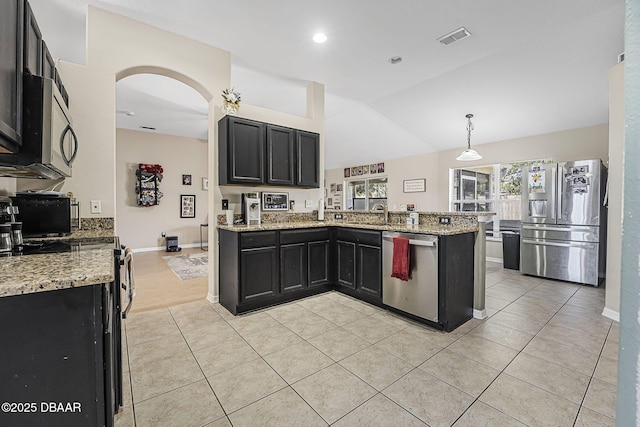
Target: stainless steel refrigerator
point(564, 220)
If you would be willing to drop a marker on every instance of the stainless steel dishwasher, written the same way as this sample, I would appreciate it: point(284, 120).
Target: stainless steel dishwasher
point(419, 295)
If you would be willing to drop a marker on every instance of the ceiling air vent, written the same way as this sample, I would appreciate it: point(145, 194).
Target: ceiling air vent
point(454, 36)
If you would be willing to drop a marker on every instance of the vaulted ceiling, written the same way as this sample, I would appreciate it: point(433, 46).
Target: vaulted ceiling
point(528, 68)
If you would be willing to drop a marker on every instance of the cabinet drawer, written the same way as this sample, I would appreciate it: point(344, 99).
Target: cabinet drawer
point(258, 238)
point(303, 236)
point(367, 237)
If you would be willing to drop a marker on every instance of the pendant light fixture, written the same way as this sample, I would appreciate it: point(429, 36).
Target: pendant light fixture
point(469, 154)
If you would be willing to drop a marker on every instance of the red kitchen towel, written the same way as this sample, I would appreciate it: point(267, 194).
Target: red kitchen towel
point(400, 268)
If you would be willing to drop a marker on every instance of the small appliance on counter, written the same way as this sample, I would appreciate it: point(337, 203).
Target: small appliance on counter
point(8, 212)
point(47, 214)
point(275, 202)
point(251, 208)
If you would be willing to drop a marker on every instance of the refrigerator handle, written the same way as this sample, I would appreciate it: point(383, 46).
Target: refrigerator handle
point(554, 185)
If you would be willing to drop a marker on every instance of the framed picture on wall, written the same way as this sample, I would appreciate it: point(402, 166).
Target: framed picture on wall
point(187, 206)
point(186, 179)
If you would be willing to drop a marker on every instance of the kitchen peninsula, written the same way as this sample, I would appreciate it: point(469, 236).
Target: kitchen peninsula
point(60, 363)
point(291, 256)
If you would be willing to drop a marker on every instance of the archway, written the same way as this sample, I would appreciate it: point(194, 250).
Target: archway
point(162, 118)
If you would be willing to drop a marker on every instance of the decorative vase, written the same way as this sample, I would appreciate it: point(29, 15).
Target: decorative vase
point(231, 108)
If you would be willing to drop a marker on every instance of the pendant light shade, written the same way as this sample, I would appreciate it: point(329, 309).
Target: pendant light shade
point(469, 154)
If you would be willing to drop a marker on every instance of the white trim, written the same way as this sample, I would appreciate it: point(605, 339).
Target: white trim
point(164, 248)
point(480, 314)
point(212, 298)
point(613, 315)
point(492, 259)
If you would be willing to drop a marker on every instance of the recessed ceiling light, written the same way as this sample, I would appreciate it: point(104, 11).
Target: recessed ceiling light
point(395, 60)
point(319, 37)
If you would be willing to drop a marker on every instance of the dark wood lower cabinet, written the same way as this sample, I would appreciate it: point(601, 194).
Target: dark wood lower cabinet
point(293, 260)
point(263, 268)
point(370, 270)
point(346, 256)
point(58, 351)
point(258, 273)
point(319, 262)
point(359, 264)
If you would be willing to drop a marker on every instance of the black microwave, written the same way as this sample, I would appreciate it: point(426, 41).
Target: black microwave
point(47, 215)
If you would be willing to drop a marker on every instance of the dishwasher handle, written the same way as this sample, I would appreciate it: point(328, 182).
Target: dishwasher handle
point(414, 242)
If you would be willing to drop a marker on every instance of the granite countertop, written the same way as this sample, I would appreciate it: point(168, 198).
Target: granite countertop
point(441, 230)
point(24, 274)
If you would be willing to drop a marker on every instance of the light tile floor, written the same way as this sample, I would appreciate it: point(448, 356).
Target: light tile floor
point(545, 357)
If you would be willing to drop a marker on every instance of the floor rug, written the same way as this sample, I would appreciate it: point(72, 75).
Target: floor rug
point(188, 266)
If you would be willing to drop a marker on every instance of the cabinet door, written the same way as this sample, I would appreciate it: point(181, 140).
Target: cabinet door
point(293, 269)
point(242, 150)
point(32, 43)
point(318, 262)
point(346, 256)
point(48, 64)
point(308, 159)
point(11, 34)
point(280, 160)
point(370, 269)
point(258, 273)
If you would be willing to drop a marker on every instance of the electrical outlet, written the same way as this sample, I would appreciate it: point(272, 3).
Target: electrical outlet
point(225, 204)
point(337, 216)
point(445, 220)
point(96, 207)
point(308, 203)
point(163, 234)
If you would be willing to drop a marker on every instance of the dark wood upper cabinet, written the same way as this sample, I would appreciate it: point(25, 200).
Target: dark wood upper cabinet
point(308, 159)
point(257, 153)
point(32, 43)
point(280, 155)
point(241, 151)
point(11, 51)
point(48, 64)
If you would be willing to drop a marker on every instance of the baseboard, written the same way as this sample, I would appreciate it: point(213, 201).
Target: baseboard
point(164, 248)
point(492, 259)
point(480, 314)
point(212, 298)
point(610, 314)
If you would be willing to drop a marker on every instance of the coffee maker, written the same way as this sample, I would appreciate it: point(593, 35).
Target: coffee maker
point(251, 208)
point(7, 210)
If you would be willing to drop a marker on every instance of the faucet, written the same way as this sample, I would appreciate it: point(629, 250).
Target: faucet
point(385, 209)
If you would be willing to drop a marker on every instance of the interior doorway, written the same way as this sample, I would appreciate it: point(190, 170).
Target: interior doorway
point(163, 122)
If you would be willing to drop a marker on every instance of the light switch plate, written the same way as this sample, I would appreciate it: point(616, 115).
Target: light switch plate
point(96, 207)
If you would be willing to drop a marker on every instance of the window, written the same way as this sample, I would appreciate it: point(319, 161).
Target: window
point(493, 188)
point(366, 194)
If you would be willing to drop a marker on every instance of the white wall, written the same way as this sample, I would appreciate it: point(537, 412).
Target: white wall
point(141, 227)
